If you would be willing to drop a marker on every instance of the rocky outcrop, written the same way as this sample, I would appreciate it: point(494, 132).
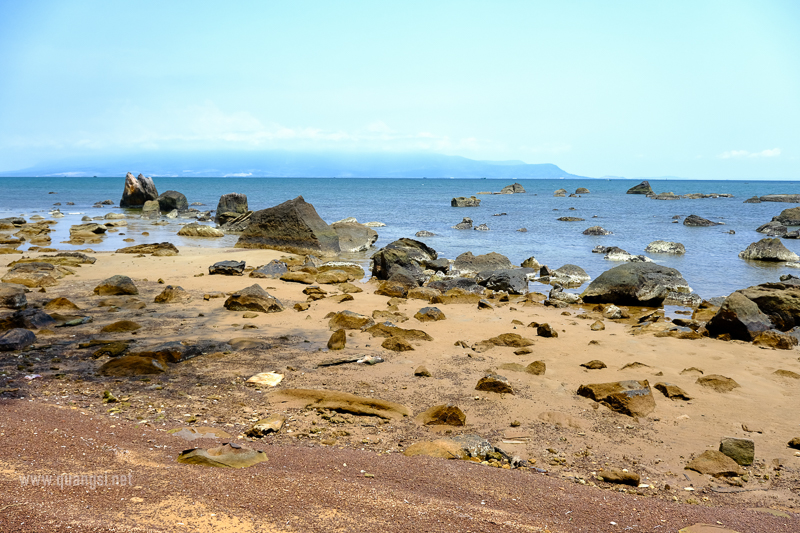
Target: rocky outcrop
point(137, 191)
point(643, 188)
point(293, 226)
point(768, 250)
point(665, 247)
point(466, 223)
point(469, 264)
point(230, 206)
point(779, 301)
point(696, 221)
point(199, 230)
point(354, 237)
point(787, 198)
point(753, 200)
point(596, 230)
point(773, 229)
point(512, 189)
point(463, 201)
point(645, 284)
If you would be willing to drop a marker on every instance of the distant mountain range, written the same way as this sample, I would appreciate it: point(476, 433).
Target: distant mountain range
point(294, 164)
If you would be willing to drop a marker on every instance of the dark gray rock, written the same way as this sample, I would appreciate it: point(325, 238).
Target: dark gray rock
point(171, 200)
point(481, 227)
point(16, 339)
point(789, 217)
point(743, 451)
point(465, 284)
point(137, 191)
point(274, 269)
point(779, 301)
point(28, 319)
point(696, 221)
point(645, 284)
point(643, 188)
point(463, 201)
point(596, 230)
point(786, 198)
point(512, 189)
point(512, 281)
point(253, 298)
point(739, 317)
point(753, 200)
point(466, 223)
point(230, 206)
point(406, 253)
point(424, 233)
point(773, 229)
point(227, 268)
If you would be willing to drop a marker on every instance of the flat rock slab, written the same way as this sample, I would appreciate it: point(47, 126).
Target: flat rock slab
point(718, 383)
point(706, 528)
point(386, 329)
point(157, 249)
point(265, 426)
point(269, 379)
point(714, 463)
point(229, 455)
point(227, 268)
point(340, 401)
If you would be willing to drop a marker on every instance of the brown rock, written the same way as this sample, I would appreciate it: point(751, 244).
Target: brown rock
point(116, 285)
point(620, 477)
point(714, 463)
point(776, 340)
point(121, 327)
point(673, 392)
point(429, 314)
point(132, 365)
point(349, 320)
point(341, 298)
point(422, 372)
point(61, 304)
point(632, 398)
point(388, 330)
point(298, 277)
point(349, 288)
point(545, 330)
point(338, 340)
point(339, 401)
point(157, 249)
point(494, 383)
point(397, 344)
point(786, 374)
point(391, 316)
point(597, 326)
point(445, 414)
point(265, 426)
point(523, 351)
point(423, 293)
point(537, 368)
point(229, 455)
point(253, 298)
point(595, 364)
point(172, 294)
point(718, 383)
point(314, 293)
point(332, 276)
point(794, 443)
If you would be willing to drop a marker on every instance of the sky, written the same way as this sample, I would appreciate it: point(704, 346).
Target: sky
point(695, 89)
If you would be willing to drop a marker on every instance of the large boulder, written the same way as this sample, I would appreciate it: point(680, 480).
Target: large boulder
point(779, 301)
point(645, 284)
point(789, 217)
point(512, 189)
point(463, 201)
point(768, 250)
point(293, 226)
point(253, 298)
point(12, 296)
point(569, 275)
point(172, 200)
point(354, 237)
point(643, 188)
point(137, 191)
point(694, 220)
point(632, 398)
point(16, 339)
point(406, 253)
point(230, 206)
point(512, 281)
point(468, 264)
point(151, 209)
point(739, 317)
point(116, 285)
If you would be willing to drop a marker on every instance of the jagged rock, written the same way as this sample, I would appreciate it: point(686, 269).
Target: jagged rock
point(429, 314)
point(643, 188)
point(768, 250)
point(132, 365)
point(227, 268)
point(16, 339)
point(776, 340)
point(172, 294)
point(156, 249)
point(199, 230)
point(338, 401)
point(515, 188)
point(253, 298)
point(349, 320)
point(338, 340)
point(463, 201)
point(773, 229)
point(596, 230)
point(694, 220)
point(643, 284)
point(116, 285)
point(739, 317)
point(714, 463)
point(632, 398)
point(673, 392)
point(494, 383)
point(594, 364)
point(274, 270)
point(718, 383)
point(228, 455)
point(137, 191)
point(12, 296)
point(743, 451)
point(230, 206)
point(445, 414)
point(293, 226)
point(466, 223)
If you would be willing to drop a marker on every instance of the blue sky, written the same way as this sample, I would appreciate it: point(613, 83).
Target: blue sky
point(693, 89)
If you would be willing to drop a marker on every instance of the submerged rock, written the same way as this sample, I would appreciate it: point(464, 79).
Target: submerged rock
point(665, 247)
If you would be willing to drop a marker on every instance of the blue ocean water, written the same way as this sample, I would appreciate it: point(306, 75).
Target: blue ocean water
point(710, 265)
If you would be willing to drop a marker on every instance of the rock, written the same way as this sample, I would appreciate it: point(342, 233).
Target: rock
point(137, 191)
point(742, 451)
point(463, 201)
point(506, 339)
point(354, 237)
point(12, 296)
point(481, 227)
point(531, 262)
point(619, 477)
point(274, 270)
point(466, 223)
point(265, 426)
point(349, 320)
point(397, 344)
point(293, 226)
point(265, 379)
point(643, 188)
point(673, 392)
point(338, 340)
point(597, 325)
point(116, 285)
point(714, 463)
point(228, 455)
point(129, 303)
point(512, 281)
point(429, 314)
point(332, 276)
point(779, 301)
point(468, 264)
point(398, 285)
point(422, 372)
point(121, 326)
point(547, 331)
point(515, 188)
point(91, 230)
point(27, 318)
point(299, 277)
point(560, 193)
point(132, 365)
point(665, 247)
point(387, 329)
point(35, 274)
point(172, 201)
point(642, 284)
point(409, 254)
point(16, 339)
point(581, 190)
point(494, 383)
point(774, 229)
point(253, 298)
point(151, 209)
point(596, 230)
point(445, 415)
point(227, 268)
point(570, 219)
point(794, 443)
point(786, 374)
point(739, 317)
point(199, 230)
point(776, 340)
point(339, 401)
point(460, 447)
point(595, 364)
point(423, 293)
point(632, 398)
point(768, 250)
point(423, 233)
point(157, 249)
point(172, 294)
point(696, 221)
point(537, 368)
point(230, 207)
point(718, 383)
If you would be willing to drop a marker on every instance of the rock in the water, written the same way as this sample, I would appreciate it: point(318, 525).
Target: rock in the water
point(265, 426)
point(445, 414)
point(673, 392)
point(768, 250)
point(172, 201)
point(620, 477)
point(116, 285)
point(643, 188)
point(338, 340)
point(156, 249)
point(570, 219)
point(718, 383)
point(293, 226)
point(230, 207)
point(560, 193)
point(595, 364)
point(531, 262)
point(253, 298)
point(632, 398)
point(714, 463)
point(227, 268)
point(773, 229)
point(494, 383)
point(665, 247)
point(596, 230)
point(463, 201)
point(481, 227)
point(132, 365)
point(354, 237)
point(468, 264)
point(16, 339)
point(743, 451)
point(581, 190)
point(199, 230)
point(466, 223)
point(349, 320)
point(172, 294)
point(644, 284)
point(339, 401)
point(423, 233)
point(274, 269)
point(429, 314)
point(12, 296)
point(694, 220)
point(512, 281)
point(739, 317)
point(228, 455)
point(137, 191)
point(515, 188)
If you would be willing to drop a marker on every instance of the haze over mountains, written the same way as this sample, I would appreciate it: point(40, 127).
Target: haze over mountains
point(294, 164)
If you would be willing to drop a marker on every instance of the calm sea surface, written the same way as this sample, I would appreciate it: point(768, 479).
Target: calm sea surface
point(711, 265)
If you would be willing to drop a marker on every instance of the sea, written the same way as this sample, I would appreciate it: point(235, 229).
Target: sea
point(711, 264)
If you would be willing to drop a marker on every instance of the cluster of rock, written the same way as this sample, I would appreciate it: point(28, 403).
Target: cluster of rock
point(777, 227)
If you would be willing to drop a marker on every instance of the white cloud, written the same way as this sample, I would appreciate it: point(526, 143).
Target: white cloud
point(739, 154)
